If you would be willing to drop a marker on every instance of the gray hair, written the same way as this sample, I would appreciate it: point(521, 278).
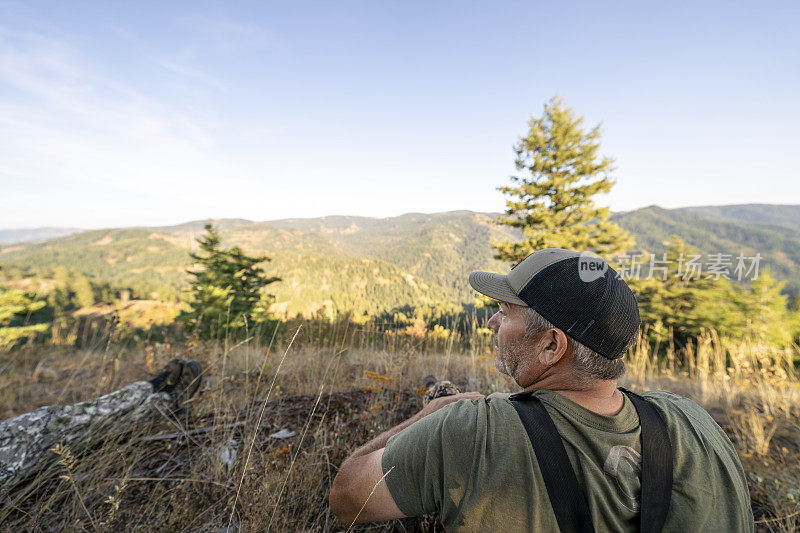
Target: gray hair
point(589, 365)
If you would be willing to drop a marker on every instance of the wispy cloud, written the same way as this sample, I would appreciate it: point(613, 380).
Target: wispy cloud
point(181, 62)
point(60, 114)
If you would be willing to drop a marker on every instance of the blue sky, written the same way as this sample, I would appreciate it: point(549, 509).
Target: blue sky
point(138, 113)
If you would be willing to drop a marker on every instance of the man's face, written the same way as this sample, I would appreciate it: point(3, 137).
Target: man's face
point(510, 343)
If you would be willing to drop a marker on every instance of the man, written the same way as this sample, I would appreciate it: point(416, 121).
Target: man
point(26, 440)
point(560, 334)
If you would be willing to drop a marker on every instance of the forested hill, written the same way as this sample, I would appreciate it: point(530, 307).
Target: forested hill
point(724, 233)
point(370, 265)
point(364, 265)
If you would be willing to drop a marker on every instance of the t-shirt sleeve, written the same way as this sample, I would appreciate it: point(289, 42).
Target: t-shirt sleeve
point(428, 463)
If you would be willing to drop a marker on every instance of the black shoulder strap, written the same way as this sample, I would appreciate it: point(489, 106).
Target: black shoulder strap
point(566, 497)
point(656, 465)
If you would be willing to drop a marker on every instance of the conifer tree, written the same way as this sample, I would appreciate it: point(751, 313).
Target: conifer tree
point(226, 288)
point(20, 317)
point(84, 292)
point(678, 299)
point(552, 200)
point(764, 312)
point(689, 304)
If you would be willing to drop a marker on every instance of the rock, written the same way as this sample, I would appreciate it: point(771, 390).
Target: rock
point(283, 434)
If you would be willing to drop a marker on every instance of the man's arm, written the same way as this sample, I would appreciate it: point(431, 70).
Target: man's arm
point(359, 492)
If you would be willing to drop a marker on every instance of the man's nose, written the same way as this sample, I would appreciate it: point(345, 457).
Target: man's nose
point(493, 322)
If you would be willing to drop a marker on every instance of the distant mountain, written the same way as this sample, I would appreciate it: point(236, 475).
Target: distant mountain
point(10, 236)
point(787, 216)
point(198, 225)
point(366, 265)
point(370, 265)
point(778, 245)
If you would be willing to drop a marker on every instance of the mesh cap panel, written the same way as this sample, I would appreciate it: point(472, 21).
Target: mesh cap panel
point(601, 314)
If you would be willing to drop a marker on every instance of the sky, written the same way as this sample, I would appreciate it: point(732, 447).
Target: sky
point(136, 113)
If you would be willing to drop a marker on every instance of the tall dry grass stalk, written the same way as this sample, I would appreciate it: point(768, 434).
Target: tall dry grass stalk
point(714, 371)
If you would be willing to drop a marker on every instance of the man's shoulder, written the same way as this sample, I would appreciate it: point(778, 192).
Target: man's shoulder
point(477, 420)
point(455, 431)
point(686, 418)
point(491, 407)
point(464, 419)
point(705, 462)
point(670, 402)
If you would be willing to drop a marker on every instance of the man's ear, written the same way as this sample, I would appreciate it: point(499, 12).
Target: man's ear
point(554, 346)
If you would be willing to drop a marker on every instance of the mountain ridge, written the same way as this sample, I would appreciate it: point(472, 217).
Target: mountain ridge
point(372, 265)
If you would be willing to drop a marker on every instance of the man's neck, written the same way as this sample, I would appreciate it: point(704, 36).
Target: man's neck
point(600, 396)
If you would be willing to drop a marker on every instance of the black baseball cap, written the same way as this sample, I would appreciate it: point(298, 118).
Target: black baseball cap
point(579, 293)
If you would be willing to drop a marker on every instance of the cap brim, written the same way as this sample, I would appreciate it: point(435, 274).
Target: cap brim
point(494, 286)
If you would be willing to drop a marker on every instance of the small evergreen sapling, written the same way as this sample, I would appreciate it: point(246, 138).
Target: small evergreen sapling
point(226, 287)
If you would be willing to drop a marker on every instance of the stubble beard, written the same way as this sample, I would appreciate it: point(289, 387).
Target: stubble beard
point(499, 364)
point(503, 356)
point(513, 358)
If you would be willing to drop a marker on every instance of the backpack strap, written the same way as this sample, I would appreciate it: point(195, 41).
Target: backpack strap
point(566, 497)
point(568, 501)
point(656, 465)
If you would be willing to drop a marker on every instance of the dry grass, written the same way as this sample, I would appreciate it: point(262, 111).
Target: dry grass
point(334, 390)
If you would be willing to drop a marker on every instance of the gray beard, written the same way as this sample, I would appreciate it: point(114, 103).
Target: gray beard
point(502, 357)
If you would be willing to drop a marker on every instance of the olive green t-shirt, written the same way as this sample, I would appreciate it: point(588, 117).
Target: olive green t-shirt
point(473, 464)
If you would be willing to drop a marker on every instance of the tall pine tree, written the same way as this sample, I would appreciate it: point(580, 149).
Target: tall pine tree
point(226, 287)
point(552, 201)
